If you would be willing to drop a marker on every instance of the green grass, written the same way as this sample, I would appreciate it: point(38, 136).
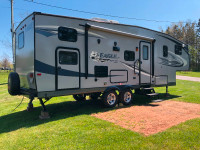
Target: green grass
point(72, 127)
point(186, 91)
point(189, 73)
point(3, 77)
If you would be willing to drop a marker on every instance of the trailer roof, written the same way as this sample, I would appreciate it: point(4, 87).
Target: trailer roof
point(39, 13)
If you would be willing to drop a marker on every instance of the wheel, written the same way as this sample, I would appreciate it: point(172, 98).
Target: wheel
point(110, 99)
point(126, 97)
point(79, 97)
point(95, 96)
point(13, 84)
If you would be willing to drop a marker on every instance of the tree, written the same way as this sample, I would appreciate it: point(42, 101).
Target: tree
point(5, 63)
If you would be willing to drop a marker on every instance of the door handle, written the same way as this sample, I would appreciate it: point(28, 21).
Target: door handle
point(135, 65)
point(59, 67)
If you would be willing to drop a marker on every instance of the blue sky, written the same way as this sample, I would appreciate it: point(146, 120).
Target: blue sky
point(163, 10)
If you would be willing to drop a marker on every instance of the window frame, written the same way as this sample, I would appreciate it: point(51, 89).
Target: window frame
point(165, 46)
point(147, 52)
point(128, 52)
point(77, 58)
point(22, 33)
point(64, 39)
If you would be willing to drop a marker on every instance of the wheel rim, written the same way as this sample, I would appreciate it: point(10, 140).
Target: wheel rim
point(111, 99)
point(127, 97)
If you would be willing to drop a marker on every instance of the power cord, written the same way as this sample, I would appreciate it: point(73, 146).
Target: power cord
point(18, 104)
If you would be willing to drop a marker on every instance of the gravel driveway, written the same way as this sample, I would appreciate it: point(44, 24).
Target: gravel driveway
point(188, 78)
point(152, 118)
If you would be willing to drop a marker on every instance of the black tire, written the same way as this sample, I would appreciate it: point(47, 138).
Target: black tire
point(13, 84)
point(95, 96)
point(79, 97)
point(126, 97)
point(110, 102)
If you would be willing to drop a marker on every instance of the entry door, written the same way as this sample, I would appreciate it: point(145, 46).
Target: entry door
point(145, 48)
point(68, 75)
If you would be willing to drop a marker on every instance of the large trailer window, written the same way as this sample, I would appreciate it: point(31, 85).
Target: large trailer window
point(67, 34)
point(145, 52)
point(21, 40)
point(165, 51)
point(68, 58)
point(178, 49)
point(129, 55)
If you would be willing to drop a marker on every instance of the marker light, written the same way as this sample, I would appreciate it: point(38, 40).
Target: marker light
point(31, 75)
point(39, 74)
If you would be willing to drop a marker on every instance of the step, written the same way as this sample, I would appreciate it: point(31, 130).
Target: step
point(153, 94)
point(150, 88)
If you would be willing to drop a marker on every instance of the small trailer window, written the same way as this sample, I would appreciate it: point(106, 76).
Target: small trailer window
point(68, 58)
point(67, 34)
point(145, 52)
point(21, 40)
point(178, 49)
point(129, 55)
point(165, 51)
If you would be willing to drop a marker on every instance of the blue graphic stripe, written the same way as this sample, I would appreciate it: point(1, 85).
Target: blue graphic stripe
point(48, 69)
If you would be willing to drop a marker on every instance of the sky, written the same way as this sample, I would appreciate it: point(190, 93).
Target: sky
point(160, 10)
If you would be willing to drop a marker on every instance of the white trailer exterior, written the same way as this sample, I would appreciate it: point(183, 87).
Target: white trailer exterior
point(58, 55)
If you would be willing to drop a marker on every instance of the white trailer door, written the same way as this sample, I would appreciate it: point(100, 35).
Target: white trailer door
point(145, 64)
point(67, 68)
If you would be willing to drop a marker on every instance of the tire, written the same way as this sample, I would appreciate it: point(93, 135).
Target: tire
point(95, 96)
point(126, 97)
point(79, 97)
point(13, 84)
point(110, 99)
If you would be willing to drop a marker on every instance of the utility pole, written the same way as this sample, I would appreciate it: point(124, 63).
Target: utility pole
point(13, 33)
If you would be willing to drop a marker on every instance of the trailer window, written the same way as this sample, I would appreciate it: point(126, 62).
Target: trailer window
point(21, 40)
point(129, 55)
point(165, 51)
point(67, 34)
point(145, 52)
point(178, 49)
point(68, 58)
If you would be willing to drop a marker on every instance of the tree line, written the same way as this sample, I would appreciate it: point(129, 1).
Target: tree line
point(189, 33)
point(5, 63)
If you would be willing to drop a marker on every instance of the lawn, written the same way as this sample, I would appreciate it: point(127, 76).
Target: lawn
point(72, 127)
point(189, 73)
point(3, 77)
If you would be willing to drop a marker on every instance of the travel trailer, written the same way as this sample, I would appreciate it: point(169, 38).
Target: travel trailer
point(59, 55)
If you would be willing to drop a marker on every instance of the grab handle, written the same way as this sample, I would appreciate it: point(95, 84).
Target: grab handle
point(135, 64)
